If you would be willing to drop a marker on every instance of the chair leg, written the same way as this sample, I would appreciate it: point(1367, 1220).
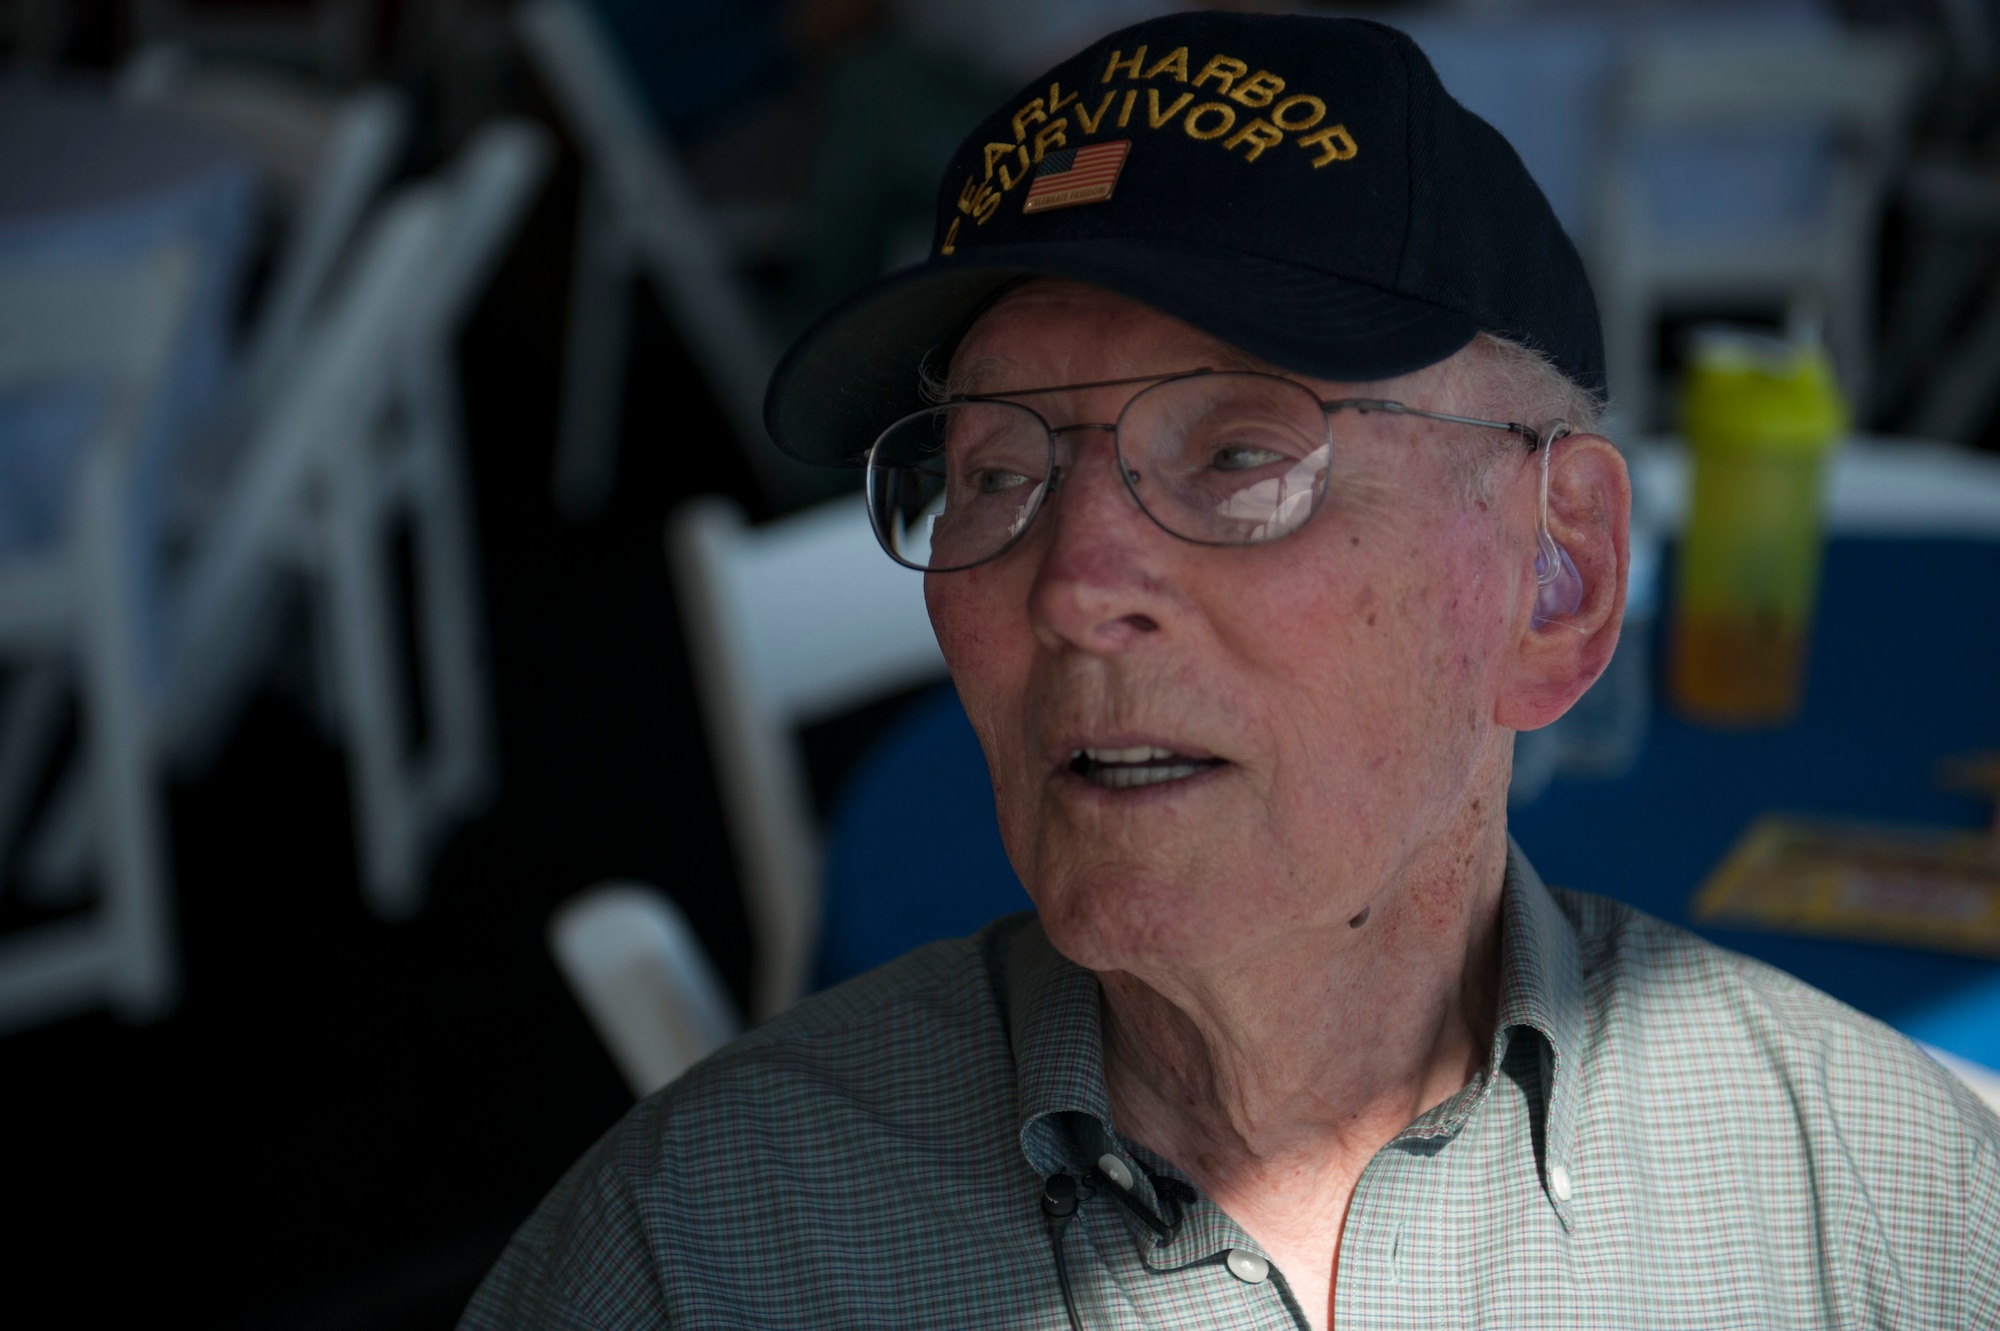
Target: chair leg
point(143, 979)
point(460, 771)
point(1943, 267)
point(55, 870)
point(1965, 389)
point(28, 729)
point(362, 626)
point(600, 316)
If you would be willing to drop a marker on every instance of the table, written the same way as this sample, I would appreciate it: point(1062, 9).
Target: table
point(1904, 670)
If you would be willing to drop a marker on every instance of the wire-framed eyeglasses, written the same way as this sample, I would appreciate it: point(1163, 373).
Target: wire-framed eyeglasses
point(1217, 457)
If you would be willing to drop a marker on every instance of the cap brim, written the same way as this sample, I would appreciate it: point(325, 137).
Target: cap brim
point(856, 370)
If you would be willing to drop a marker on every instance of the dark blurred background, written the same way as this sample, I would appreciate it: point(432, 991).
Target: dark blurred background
point(341, 1112)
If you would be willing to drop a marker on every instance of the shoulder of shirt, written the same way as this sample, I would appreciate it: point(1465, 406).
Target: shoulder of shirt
point(909, 1041)
point(781, 1132)
point(802, 1114)
point(1718, 1015)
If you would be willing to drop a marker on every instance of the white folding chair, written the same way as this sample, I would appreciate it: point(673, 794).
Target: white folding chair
point(326, 157)
point(1850, 92)
point(364, 427)
point(407, 799)
point(644, 981)
point(111, 325)
point(641, 217)
point(788, 623)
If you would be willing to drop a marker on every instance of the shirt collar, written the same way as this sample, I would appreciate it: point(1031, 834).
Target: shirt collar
point(1054, 1022)
point(1054, 1018)
point(1541, 990)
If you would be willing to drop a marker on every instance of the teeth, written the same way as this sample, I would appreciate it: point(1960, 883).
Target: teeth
point(1144, 753)
point(1140, 765)
point(1122, 778)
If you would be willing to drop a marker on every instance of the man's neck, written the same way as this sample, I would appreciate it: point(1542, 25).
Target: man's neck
point(1275, 1081)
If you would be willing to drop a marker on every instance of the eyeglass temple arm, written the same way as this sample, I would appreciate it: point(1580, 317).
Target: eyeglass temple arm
point(1535, 440)
point(1549, 558)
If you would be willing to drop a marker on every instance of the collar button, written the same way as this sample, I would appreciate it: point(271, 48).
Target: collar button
point(1247, 1267)
point(1116, 1170)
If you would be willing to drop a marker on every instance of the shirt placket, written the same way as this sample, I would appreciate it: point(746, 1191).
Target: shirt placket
point(1395, 1262)
point(1209, 1273)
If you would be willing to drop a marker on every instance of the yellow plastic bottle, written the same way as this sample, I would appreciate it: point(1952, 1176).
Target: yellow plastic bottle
point(1761, 416)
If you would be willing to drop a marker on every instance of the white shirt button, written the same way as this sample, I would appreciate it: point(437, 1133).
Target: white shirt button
point(1247, 1267)
point(1116, 1170)
point(1559, 1183)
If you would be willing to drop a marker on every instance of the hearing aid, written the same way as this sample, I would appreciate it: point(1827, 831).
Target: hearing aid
point(1558, 586)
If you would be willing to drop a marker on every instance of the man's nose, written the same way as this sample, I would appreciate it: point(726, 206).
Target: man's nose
point(1100, 584)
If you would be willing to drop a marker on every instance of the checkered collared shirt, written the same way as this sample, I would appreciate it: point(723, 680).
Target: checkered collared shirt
point(1667, 1135)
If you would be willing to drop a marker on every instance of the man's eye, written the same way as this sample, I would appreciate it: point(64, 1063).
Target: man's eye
point(1244, 457)
point(993, 482)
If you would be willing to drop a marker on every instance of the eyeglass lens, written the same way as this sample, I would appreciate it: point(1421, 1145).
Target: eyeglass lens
point(1221, 459)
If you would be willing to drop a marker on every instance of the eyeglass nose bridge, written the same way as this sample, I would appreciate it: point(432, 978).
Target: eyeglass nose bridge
point(1125, 470)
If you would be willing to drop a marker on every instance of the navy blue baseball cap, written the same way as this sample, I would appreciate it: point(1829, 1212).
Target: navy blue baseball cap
point(1300, 187)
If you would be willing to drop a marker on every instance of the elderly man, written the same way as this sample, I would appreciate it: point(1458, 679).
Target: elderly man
point(1241, 422)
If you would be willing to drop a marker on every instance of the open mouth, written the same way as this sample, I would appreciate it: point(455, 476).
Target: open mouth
point(1146, 765)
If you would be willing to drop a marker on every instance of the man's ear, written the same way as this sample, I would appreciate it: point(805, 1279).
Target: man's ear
point(1590, 510)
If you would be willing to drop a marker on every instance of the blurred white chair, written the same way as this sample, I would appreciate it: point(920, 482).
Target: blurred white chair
point(1984, 1081)
point(364, 427)
point(107, 327)
point(267, 526)
point(786, 624)
point(361, 428)
point(644, 981)
point(1691, 99)
point(641, 217)
point(324, 156)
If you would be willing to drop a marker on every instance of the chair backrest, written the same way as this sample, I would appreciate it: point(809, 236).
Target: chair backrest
point(1746, 164)
point(788, 623)
point(1860, 83)
point(653, 201)
point(643, 979)
point(330, 396)
point(330, 153)
point(489, 186)
point(1842, 94)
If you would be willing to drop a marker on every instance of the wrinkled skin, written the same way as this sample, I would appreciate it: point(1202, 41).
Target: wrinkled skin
point(1362, 678)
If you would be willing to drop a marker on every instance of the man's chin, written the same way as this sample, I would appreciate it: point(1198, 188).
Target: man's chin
point(1128, 919)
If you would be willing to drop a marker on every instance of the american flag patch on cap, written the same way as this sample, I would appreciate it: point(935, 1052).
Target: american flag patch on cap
point(1076, 175)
